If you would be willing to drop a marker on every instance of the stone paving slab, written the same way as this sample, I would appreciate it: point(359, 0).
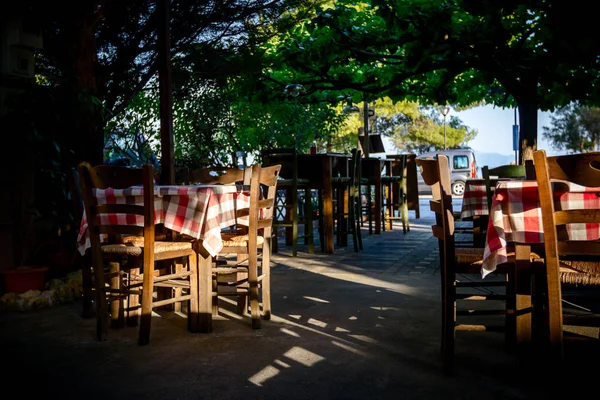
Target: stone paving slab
point(345, 326)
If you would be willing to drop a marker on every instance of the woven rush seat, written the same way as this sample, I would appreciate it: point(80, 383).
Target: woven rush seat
point(134, 238)
point(580, 272)
point(474, 255)
point(134, 248)
point(239, 240)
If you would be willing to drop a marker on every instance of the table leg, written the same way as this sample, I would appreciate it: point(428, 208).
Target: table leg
point(523, 304)
point(327, 206)
point(377, 214)
point(205, 292)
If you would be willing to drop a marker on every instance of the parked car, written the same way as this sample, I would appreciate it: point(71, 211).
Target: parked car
point(462, 167)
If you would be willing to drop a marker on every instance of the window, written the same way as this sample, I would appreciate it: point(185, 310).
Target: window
point(460, 162)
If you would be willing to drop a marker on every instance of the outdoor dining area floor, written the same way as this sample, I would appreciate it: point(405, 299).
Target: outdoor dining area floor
point(347, 325)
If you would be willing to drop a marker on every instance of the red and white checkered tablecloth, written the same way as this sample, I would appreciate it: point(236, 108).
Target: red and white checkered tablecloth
point(474, 199)
point(516, 217)
point(200, 211)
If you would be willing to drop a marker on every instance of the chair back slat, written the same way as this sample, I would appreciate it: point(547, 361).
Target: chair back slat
point(564, 217)
point(582, 169)
point(119, 209)
point(508, 171)
point(287, 158)
point(216, 175)
point(119, 229)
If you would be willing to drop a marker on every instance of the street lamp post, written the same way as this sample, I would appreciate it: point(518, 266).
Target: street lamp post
point(445, 110)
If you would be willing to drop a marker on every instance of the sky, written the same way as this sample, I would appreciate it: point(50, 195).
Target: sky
point(494, 127)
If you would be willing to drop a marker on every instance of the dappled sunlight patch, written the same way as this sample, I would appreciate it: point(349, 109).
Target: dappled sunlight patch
point(289, 332)
point(262, 376)
point(303, 356)
point(380, 317)
point(230, 314)
point(364, 338)
point(282, 364)
point(384, 308)
point(316, 322)
point(351, 349)
point(296, 354)
point(341, 330)
point(316, 299)
point(295, 316)
point(352, 318)
point(342, 273)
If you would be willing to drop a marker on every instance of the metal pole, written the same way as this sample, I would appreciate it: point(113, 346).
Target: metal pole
point(516, 152)
point(444, 131)
point(366, 122)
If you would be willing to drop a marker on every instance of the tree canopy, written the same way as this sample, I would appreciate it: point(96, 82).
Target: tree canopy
point(463, 51)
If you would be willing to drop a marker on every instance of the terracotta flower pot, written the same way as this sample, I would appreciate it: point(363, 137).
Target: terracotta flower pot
point(22, 279)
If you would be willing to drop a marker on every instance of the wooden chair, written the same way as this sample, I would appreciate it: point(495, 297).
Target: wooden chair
point(222, 176)
point(123, 267)
point(503, 171)
point(347, 204)
point(395, 187)
point(293, 203)
point(465, 262)
point(566, 261)
point(252, 249)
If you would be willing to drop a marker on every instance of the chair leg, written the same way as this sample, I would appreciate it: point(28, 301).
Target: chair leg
point(358, 222)
point(295, 223)
point(253, 293)
point(266, 282)
point(133, 302)
point(194, 305)
point(448, 321)
point(321, 230)
point(178, 290)
point(117, 315)
point(242, 306)
point(555, 317)
point(352, 222)
point(87, 306)
point(146, 312)
point(101, 301)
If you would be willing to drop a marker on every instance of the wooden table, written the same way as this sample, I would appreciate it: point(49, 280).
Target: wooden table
point(516, 217)
point(199, 211)
point(372, 169)
point(319, 170)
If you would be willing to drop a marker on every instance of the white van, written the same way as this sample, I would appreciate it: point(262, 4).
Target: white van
point(462, 167)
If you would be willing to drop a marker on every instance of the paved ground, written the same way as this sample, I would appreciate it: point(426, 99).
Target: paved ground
point(349, 326)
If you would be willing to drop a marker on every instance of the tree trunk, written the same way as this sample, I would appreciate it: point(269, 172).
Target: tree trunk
point(83, 123)
point(528, 127)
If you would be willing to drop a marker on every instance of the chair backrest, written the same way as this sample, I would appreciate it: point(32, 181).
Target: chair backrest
point(263, 186)
point(117, 177)
point(502, 171)
point(436, 173)
point(218, 175)
point(355, 171)
point(581, 169)
point(287, 158)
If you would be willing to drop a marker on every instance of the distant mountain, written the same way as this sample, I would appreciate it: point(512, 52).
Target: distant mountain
point(492, 160)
